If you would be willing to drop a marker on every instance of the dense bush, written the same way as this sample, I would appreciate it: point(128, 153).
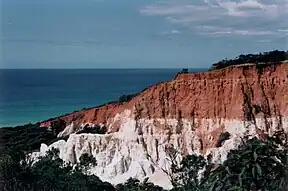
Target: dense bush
point(126, 98)
point(272, 56)
point(184, 71)
point(86, 161)
point(186, 176)
point(135, 185)
point(26, 138)
point(49, 173)
point(254, 165)
point(222, 138)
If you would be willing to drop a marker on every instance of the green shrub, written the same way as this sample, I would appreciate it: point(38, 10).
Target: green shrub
point(48, 173)
point(184, 71)
point(222, 138)
point(272, 56)
point(86, 160)
point(26, 138)
point(93, 130)
point(255, 165)
point(135, 185)
point(126, 98)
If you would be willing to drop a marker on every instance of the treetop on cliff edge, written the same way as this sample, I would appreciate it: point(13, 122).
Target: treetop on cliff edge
point(265, 57)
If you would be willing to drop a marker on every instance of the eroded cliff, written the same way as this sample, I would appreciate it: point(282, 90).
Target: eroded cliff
point(187, 113)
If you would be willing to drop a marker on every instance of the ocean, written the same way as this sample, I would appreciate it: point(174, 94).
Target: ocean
point(29, 96)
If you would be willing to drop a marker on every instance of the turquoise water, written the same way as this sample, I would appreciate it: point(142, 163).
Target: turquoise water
point(35, 95)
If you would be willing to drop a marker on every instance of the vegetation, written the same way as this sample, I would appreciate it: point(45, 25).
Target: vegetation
point(127, 98)
point(86, 160)
point(184, 71)
point(255, 165)
point(266, 57)
point(187, 175)
point(94, 130)
point(49, 173)
point(57, 126)
point(222, 138)
point(25, 138)
point(135, 185)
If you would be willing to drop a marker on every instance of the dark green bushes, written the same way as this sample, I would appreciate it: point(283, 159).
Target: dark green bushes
point(25, 138)
point(186, 176)
point(49, 173)
point(222, 138)
point(184, 71)
point(135, 185)
point(94, 130)
point(86, 160)
point(254, 165)
point(272, 56)
point(126, 98)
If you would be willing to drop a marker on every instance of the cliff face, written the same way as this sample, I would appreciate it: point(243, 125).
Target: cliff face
point(187, 113)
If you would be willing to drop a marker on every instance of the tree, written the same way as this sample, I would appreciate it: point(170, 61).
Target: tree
point(266, 57)
point(127, 98)
point(184, 71)
point(188, 175)
point(256, 164)
point(26, 138)
point(48, 173)
point(15, 171)
point(135, 185)
point(86, 160)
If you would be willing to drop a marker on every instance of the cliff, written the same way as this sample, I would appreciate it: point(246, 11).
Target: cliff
point(188, 113)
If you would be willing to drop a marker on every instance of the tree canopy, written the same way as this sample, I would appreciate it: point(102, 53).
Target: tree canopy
point(255, 165)
point(265, 57)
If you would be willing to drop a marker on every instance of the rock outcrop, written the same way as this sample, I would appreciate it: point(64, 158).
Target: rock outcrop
point(188, 113)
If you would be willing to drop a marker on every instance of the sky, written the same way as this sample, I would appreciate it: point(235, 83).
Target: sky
point(137, 33)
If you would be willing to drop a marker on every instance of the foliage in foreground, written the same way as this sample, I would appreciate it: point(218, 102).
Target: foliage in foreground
point(26, 138)
point(254, 165)
point(49, 173)
point(135, 185)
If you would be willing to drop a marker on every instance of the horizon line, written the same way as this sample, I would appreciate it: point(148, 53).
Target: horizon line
point(98, 68)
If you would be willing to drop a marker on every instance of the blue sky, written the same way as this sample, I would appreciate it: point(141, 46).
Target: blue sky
point(137, 33)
